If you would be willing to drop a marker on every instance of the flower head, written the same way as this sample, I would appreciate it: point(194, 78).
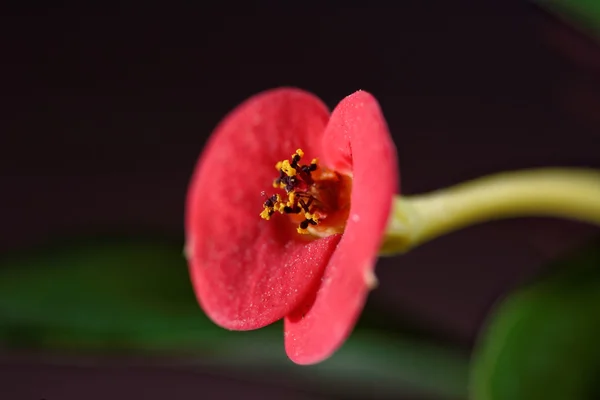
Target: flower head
point(316, 197)
point(309, 254)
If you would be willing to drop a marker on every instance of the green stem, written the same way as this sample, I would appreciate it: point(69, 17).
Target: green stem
point(572, 193)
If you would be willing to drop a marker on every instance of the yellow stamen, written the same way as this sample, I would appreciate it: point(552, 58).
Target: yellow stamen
point(291, 199)
point(312, 197)
point(287, 168)
point(265, 214)
point(270, 206)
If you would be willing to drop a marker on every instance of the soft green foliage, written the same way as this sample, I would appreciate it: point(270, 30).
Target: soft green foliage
point(542, 341)
point(584, 14)
point(134, 295)
point(121, 294)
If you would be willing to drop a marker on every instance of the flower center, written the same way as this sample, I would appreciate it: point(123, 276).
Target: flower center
point(317, 199)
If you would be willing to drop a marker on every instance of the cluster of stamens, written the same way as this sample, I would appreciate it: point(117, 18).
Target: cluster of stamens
point(297, 181)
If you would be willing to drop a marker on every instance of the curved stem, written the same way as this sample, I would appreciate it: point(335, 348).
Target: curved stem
point(572, 193)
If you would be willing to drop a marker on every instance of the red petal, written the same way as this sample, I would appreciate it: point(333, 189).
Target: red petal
point(248, 272)
point(356, 140)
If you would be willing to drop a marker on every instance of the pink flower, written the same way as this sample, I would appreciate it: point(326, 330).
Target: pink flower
point(313, 264)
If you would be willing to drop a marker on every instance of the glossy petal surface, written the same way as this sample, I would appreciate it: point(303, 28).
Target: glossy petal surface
point(248, 272)
point(356, 141)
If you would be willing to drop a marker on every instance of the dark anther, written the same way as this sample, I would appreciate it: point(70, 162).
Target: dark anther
point(313, 167)
point(305, 174)
point(281, 177)
point(290, 183)
point(292, 210)
point(312, 221)
point(295, 160)
point(304, 224)
point(305, 206)
point(270, 202)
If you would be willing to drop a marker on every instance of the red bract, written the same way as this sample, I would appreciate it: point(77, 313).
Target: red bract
point(248, 272)
point(356, 141)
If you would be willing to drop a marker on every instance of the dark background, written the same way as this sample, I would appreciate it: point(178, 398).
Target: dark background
point(105, 112)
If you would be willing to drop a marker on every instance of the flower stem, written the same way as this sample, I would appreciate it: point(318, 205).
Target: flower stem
point(572, 193)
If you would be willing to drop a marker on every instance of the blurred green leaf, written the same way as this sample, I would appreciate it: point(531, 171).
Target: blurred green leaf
point(122, 293)
point(542, 341)
point(135, 295)
point(584, 14)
